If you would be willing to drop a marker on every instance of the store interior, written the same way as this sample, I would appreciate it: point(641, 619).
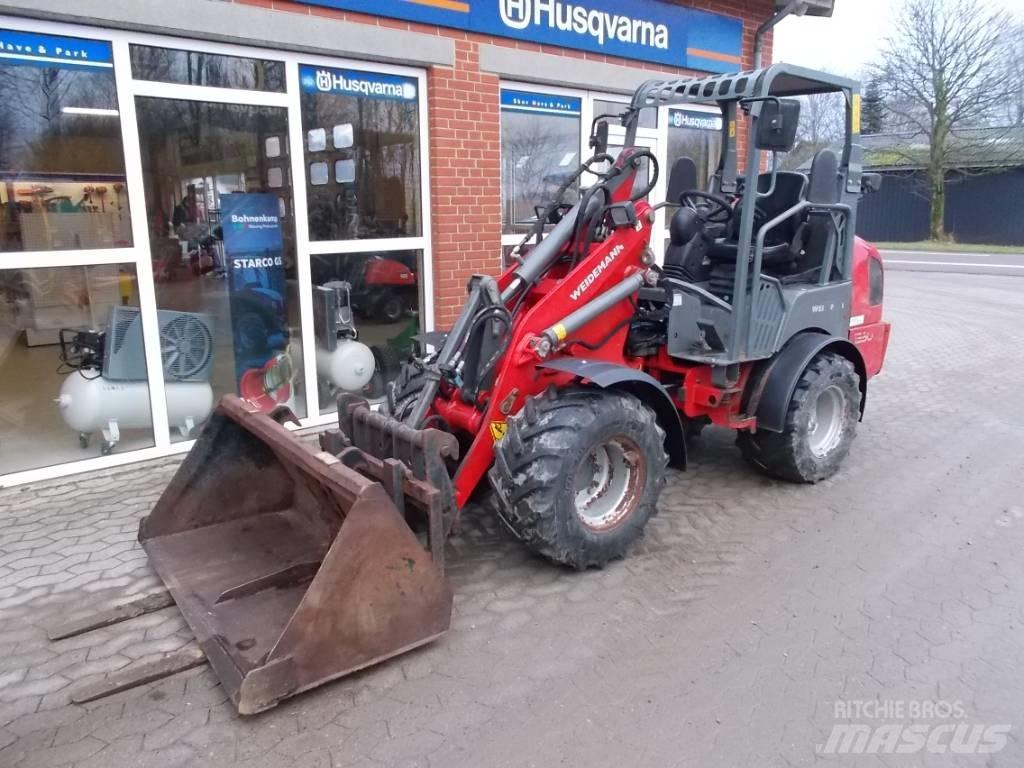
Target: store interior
point(218, 335)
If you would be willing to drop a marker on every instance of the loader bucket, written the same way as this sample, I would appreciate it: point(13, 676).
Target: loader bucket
point(291, 568)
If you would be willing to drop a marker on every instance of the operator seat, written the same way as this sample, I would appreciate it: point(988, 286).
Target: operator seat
point(783, 244)
point(819, 232)
point(685, 255)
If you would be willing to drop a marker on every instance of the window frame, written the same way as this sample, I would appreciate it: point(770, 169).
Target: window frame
point(658, 137)
point(517, 85)
point(664, 128)
point(138, 254)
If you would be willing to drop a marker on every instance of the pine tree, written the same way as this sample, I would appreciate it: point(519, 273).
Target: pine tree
point(873, 109)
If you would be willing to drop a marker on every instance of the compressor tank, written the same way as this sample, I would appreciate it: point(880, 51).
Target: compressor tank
point(90, 403)
point(349, 366)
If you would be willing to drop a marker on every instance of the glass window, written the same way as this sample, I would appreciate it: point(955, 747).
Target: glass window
point(383, 292)
point(643, 176)
point(373, 121)
point(316, 140)
point(87, 396)
point(345, 171)
point(169, 65)
point(648, 117)
point(540, 145)
point(318, 175)
point(344, 137)
point(223, 249)
point(62, 178)
point(698, 135)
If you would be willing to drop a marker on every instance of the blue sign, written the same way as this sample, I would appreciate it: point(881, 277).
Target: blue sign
point(543, 103)
point(254, 250)
point(645, 30)
point(694, 119)
point(52, 51)
point(345, 82)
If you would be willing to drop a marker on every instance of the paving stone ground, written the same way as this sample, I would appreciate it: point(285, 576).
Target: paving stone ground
point(726, 639)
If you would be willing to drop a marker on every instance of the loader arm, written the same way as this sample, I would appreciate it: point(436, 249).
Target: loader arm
point(574, 289)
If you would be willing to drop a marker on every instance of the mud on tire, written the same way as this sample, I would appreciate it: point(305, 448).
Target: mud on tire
point(405, 389)
point(578, 474)
point(821, 424)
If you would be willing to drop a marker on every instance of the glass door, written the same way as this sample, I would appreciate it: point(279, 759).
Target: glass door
point(363, 181)
point(213, 139)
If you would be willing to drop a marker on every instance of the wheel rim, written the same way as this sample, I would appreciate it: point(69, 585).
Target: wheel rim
point(607, 484)
point(825, 430)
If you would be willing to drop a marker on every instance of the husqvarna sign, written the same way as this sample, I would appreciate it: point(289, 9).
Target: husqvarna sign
point(352, 83)
point(601, 26)
point(645, 30)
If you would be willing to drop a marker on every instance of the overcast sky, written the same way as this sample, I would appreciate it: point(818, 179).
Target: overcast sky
point(852, 37)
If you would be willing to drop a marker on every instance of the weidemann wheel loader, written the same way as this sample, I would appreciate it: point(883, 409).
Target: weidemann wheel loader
point(566, 386)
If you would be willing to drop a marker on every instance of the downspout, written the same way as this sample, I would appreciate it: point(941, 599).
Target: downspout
point(794, 6)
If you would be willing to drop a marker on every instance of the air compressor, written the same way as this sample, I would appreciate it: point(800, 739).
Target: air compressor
point(343, 362)
point(89, 402)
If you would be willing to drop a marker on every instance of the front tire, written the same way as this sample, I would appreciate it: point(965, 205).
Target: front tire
point(821, 424)
point(389, 308)
point(578, 474)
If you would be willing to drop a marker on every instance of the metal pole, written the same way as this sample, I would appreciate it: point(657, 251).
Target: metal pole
point(792, 7)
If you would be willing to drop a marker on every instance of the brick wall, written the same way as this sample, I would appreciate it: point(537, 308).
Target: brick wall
point(465, 140)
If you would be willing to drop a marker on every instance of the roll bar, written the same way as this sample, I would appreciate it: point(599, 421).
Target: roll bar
point(748, 90)
point(778, 80)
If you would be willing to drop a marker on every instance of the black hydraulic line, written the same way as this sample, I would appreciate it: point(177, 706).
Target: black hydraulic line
point(591, 222)
point(598, 344)
point(546, 251)
point(493, 312)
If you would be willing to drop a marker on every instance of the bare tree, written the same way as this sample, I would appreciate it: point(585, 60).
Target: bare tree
point(943, 71)
point(822, 124)
point(1013, 42)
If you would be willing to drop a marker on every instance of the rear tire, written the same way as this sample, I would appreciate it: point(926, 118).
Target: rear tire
point(578, 474)
point(821, 424)
point(403, 392)
point(387, 366)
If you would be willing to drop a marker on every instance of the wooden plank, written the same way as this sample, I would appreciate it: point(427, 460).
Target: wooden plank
point(179, 661)
point(117, 614)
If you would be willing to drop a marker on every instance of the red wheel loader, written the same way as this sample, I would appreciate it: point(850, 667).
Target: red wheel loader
point(565, 387)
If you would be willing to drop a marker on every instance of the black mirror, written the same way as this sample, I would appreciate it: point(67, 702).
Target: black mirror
point(682, 179)
point(777, 124)
point(599, 139)
point(870, 182)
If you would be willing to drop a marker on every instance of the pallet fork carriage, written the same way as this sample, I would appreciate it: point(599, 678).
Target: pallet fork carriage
point(564, 388)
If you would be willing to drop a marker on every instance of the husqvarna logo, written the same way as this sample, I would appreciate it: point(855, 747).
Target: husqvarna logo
point(324, 81)
point(580, 20)
point(516, 13)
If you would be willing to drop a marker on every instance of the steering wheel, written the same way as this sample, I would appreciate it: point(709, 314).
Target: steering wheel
point(714, 209)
